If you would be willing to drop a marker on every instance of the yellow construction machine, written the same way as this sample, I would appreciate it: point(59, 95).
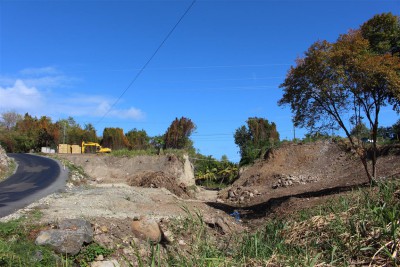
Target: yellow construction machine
point(97, 148)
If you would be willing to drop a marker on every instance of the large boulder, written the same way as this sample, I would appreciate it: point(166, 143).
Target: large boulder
point(68, 238)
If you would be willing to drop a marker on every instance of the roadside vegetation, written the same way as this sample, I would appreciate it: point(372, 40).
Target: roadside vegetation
point(9, 170)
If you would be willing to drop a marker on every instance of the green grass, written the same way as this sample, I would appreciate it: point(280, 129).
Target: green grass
point(17, 249)
point(149, 152)
point(90, 253)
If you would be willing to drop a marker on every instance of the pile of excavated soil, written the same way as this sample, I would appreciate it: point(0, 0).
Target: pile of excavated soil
point(159, 180)
point(296, 170)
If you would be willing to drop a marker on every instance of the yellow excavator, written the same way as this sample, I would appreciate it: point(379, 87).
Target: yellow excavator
point(98, 148)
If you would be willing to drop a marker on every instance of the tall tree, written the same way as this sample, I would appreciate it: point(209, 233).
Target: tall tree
point(255, 139)
point(178, 133)
point(383, 33)
point(89, 133)
point(114, 138)
point(10, 119)
point(138, 139)
point(334, 79)
point(70, 131)
point(396, 130)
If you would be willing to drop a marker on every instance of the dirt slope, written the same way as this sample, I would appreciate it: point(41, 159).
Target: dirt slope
point(295, 169)
point(166, 171)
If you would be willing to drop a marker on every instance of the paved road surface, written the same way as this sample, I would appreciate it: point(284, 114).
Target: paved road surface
point(35, 178)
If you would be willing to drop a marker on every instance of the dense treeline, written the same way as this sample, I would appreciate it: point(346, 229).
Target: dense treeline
point(27, 133)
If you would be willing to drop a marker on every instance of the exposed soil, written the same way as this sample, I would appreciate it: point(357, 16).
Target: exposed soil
point(109, 169)
point(293, 177)
point(302, 173)
point(159, 180)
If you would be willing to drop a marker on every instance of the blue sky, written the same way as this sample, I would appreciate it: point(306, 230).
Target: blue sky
point(222, 64)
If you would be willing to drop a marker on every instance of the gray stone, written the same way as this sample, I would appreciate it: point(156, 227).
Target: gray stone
point(80, 226)
point(62, 241)
point(219, 221)
point(69, 238)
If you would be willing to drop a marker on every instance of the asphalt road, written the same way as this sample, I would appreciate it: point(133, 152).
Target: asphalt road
point(35, 178)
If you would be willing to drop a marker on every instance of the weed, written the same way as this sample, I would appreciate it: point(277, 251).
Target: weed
point(90, 253)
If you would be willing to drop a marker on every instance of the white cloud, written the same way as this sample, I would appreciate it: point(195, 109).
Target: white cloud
point(20, 97)
point(131, 113)
point(59, 81)
point(29, 93)
point(39, 71)
point(97, 106)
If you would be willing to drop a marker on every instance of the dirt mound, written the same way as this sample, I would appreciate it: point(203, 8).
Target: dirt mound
point(295, 169)
point(158, 179)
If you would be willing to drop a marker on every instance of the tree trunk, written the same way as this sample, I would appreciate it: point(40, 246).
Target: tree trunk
point(365, 164)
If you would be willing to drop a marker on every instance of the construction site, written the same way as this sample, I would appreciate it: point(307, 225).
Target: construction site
point(85, 147)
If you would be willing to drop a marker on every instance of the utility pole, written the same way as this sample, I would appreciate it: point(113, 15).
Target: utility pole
point(64, 134)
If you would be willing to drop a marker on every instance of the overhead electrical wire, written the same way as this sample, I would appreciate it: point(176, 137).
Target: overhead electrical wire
point(148, 61)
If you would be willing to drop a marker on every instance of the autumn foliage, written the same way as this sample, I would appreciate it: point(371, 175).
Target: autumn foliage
point(353, 77)
point(178, 133)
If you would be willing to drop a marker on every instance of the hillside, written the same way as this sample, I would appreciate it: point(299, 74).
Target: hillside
point(301, 170)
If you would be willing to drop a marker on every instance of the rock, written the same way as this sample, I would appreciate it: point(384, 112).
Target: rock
point(169, 236)
point(128, 251)
point(62, 241)
point(231, 194)
point(104, 240)
point(111, 263)
point(100, 258)
point(69, 238)
point(218, 221)
point(80, 226)
point(147, 229)
point(181, 242)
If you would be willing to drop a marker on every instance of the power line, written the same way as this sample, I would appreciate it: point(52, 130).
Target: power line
point(191, 67)
point(148, 61)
